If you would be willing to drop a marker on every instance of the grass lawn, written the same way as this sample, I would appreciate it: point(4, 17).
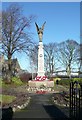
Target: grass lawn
point(6, 98)
point(0, 82)
point(16, 82)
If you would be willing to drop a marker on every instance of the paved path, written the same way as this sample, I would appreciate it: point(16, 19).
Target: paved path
point(40, 107)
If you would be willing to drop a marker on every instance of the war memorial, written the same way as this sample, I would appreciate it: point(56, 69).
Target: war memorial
point(41, 82)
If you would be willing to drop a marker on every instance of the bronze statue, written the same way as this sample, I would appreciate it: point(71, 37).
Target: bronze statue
point(40, 31)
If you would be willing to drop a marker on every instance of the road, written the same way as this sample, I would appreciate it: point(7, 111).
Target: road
point(40, 107)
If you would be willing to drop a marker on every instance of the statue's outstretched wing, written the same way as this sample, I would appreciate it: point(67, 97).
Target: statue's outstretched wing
point(43, 25)
point(37, 27)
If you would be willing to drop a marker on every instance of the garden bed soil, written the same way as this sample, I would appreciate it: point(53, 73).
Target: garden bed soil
point(61, 100)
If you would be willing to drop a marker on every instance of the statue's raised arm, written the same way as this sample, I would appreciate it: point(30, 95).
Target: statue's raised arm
point(40, 31)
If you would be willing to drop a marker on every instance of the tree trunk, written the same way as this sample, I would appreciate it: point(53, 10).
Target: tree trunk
point(9, 73)
point(69, 71)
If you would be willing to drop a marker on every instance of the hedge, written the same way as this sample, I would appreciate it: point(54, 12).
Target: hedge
point(67, 81)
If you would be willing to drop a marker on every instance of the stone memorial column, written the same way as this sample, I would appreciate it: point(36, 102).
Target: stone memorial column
point(41, 71)
point(40, 59)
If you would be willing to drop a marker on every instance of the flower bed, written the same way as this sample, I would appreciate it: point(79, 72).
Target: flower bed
point(41, 92)
point(61, 99)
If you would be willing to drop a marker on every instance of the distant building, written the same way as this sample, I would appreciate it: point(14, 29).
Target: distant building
point(16, 69)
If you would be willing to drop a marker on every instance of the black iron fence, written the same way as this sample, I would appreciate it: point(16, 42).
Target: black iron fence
point(75, 101)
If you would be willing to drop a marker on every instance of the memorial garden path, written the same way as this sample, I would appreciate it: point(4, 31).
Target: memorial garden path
point(40, 107)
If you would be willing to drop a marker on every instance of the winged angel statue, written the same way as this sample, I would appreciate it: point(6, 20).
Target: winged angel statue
point(40, 31)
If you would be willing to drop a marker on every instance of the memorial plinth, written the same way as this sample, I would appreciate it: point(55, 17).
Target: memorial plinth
point(41, 81)
point(38, 84)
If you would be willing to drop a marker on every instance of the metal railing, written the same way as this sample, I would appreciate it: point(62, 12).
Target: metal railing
point(75, 101)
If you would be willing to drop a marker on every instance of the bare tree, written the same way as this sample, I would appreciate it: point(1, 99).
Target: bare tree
point(33, 57)
point(15, 36)
point(49, 55)
point(0, 25)
point(79, 62)
point(68, 54)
